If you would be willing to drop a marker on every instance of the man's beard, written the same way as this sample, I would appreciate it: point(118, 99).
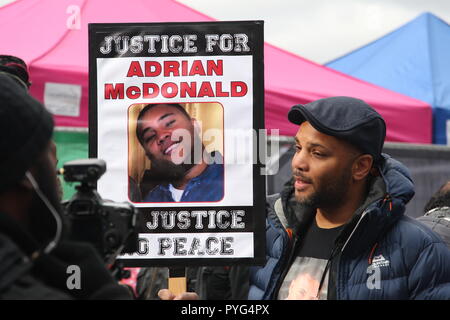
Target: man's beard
point(42, 221)
point(330, 193)
point(165, 171)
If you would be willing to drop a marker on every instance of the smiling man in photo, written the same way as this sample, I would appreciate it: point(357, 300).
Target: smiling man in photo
point(179, 163)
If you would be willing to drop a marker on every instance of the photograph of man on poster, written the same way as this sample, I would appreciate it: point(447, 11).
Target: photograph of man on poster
point(181, 170)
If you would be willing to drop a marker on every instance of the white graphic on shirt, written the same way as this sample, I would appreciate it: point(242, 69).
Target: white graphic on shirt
point(303, 280)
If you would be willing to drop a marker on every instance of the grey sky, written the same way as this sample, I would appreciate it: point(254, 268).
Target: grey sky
point(320, 30)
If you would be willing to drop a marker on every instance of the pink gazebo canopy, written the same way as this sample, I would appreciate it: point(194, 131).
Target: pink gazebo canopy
point(52, 37)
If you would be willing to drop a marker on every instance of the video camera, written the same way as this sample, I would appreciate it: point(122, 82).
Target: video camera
point(109, 226)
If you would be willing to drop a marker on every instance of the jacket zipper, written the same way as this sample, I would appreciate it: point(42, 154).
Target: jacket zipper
point(354, 229)
point(292, 247)
point(387, 199)
point(341, 247)
point(333, 254)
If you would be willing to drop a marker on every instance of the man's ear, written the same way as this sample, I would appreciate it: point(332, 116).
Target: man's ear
point(362, 166)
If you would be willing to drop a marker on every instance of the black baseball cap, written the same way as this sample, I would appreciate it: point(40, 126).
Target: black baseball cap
point(346, 118)
point(16, 68)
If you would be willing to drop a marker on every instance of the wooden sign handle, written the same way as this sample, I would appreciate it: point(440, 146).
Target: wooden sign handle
point(177, 280)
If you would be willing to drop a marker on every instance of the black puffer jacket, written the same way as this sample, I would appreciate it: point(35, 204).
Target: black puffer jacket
point(46, 276)
point(411, 261)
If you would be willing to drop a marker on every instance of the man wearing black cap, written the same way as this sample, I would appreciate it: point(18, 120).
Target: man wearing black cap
point(337, 231)
point(437, 213)
point(36, 262)
point(17, 69)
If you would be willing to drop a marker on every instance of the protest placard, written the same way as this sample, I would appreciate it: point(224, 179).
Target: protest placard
point(176, 111)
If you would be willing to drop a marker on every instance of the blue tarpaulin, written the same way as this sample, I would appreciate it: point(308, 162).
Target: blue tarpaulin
point(413, 60)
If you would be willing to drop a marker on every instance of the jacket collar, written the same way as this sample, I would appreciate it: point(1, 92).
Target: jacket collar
point(16, 245)
point(214, 160)
point(10, 228)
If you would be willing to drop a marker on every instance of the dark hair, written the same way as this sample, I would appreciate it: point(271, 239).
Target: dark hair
point(440, 199)
point(150, 106)
point(16, 68)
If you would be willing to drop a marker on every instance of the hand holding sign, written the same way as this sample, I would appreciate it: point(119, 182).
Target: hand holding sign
point(166, 294)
